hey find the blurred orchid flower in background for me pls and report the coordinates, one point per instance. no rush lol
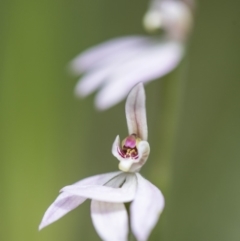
(115, 66)
(110, 191)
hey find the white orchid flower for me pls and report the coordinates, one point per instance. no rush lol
(115, 66)
(110, 191)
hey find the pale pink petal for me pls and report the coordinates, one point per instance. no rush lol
(125, 193)
(110, 220)
(66, 202)
(155, 63)
(92, 56)
(160, 58)
(91, 81)
(143, 153)
(105, 67)
(61, 206)
(145, 209)
(115, 148)
(135, 109)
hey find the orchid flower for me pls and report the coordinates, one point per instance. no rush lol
(109, 192)
(115, 66)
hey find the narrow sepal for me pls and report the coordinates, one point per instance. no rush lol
(66, 202)
(136, 112)
(146, 208)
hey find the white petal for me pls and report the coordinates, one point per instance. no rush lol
(105, 67)
(115, 148)
(91, 81)
(145, 209)
(110, 220)
(135, 109)
(125, 165)
(61, 206)
(155, 63)
(143, 153)
(66, 202)
(92, 56)
(158, 60)
(105, 193)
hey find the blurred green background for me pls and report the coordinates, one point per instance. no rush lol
(49, 139)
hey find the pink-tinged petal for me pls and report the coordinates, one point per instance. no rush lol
(130, 164)
(105, 67)
(155, 63)
(125, 193)
(66, 202)
(124, 164)
(143, 153)
(160, 59)
(91, 81)
(145, 209)
(110, 220)
(115, 148)
(61, 206)
(92, 56)
(136, 112)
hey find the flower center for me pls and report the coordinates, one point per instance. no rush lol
(129, 147)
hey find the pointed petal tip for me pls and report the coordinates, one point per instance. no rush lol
(41, 226)
(44, 223)
(117, 140)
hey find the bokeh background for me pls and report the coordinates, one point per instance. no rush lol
(49, 139)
